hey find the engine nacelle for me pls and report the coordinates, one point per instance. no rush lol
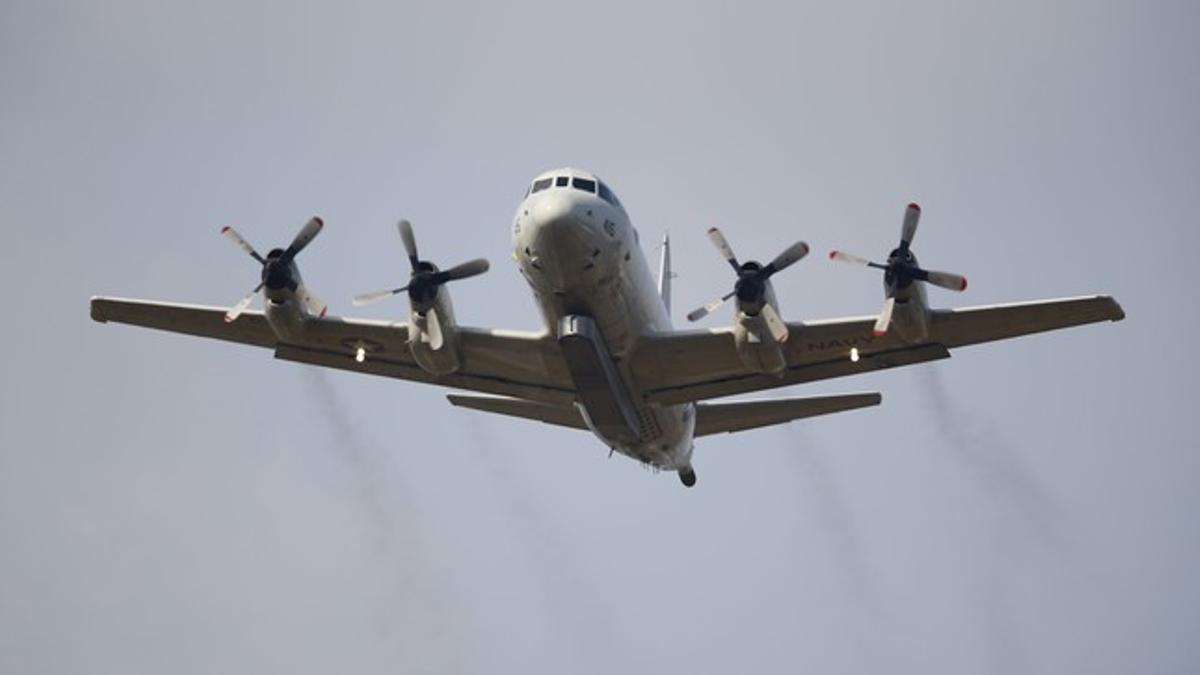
(285, 309)
(910, 318)
(433, 335)
(757, 349)
(286, 317)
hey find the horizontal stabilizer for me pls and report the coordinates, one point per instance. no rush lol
(714, 418)
(562, 416)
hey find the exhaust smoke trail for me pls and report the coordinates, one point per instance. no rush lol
(994, 461)
(562, 575)
(1018, 505)
(831, 510)
(413, 621)
(365, 466)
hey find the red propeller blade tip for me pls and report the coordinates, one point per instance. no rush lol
(914, 205)
(224, 229)
(877, 333)
(320, 223)
(832, 255)
(964, 285)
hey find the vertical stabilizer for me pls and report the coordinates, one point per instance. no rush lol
(664, 273)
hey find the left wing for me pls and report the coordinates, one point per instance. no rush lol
(698, 365)
(508, 363)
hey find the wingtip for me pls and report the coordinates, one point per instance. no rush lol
(1116, 311)
(96, 309)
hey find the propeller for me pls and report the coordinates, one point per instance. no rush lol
(277, 269)
(902, 269)
(426, 278)
(751, 285)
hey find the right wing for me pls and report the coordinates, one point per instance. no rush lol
(698, 365)
(508, 363)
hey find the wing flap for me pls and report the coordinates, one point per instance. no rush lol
(839, 366)
(715, 418)
(502, 385)
(563, 416)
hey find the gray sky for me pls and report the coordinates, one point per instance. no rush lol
(168, 503)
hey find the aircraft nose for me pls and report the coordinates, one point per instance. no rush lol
(561, 239)
(555, 212)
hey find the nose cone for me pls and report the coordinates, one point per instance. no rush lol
(555, 211)
(561, 239)
(561, 224)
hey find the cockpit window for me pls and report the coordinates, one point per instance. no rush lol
(584, 184)
(561, 181)
(608, 196)
(539, 185)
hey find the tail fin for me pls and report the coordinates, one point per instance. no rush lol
(664, 273)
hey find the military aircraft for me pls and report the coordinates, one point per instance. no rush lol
(608, 359)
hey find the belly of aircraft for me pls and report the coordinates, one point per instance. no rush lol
(662, 434)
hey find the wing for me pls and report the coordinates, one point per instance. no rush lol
(697, 365)
(508, 363)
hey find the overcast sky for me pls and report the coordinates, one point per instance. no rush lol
(169, 504)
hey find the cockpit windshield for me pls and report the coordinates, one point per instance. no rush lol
(608, 195)
(583, 184)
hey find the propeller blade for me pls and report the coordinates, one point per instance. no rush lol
(775, 324)
(723, 246)
(369, 298)
(312, 303)
(468, 269)
(232, 235)
(704, 311)
(843, 257)
(304, 237)
(912, 215)
(410, 243)
(790, 256)
(885, 317)
(953, 282)
(237, 309)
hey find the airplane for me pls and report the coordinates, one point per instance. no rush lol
(608, 359)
